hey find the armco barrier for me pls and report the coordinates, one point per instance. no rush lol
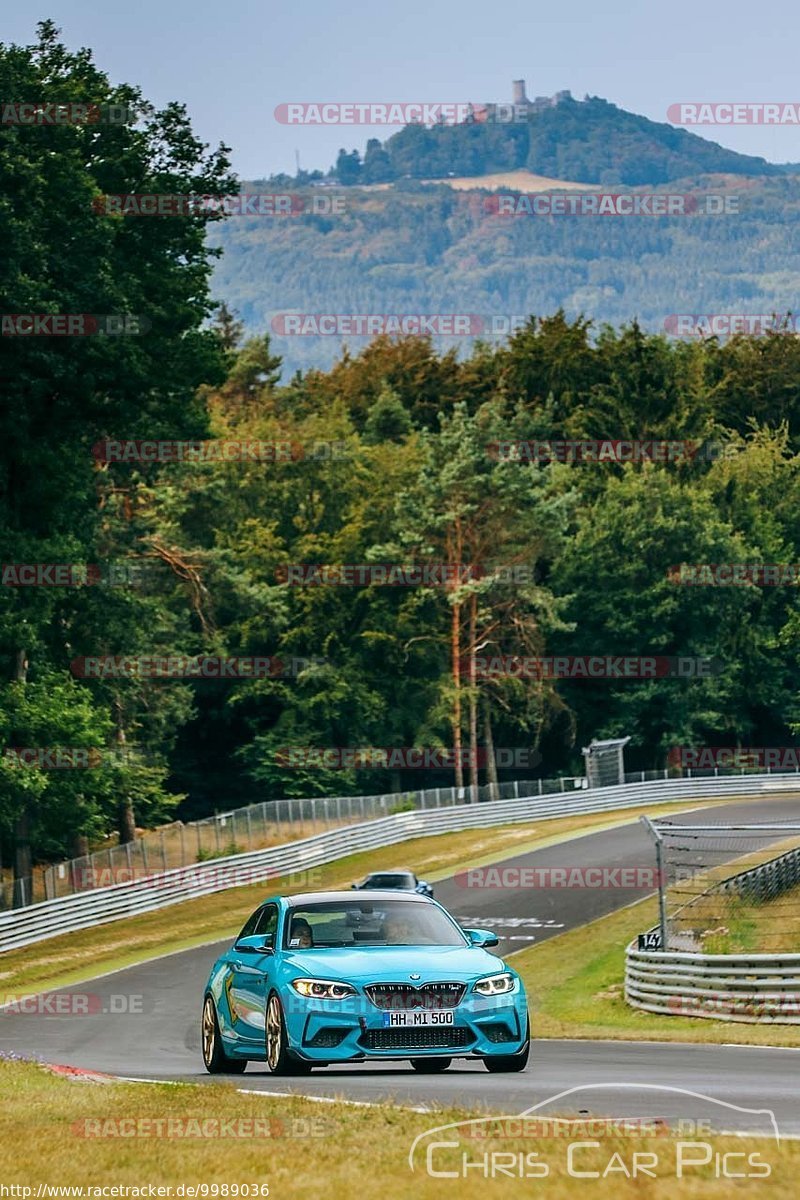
(766, 881)
(751, 988)
(21, 927)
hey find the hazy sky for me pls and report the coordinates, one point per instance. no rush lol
(233, 63)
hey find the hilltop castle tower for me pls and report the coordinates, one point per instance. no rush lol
(518, 92)
(518, 96)
(520, 104)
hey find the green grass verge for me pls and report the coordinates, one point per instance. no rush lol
(74, 957)
(575, 983)
(298, 1149)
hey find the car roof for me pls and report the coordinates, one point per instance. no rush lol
(339, 897)
(391, 871)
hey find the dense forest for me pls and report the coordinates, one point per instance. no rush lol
(390, 461)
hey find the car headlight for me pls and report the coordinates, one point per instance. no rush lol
(323, 989)
(495, 985)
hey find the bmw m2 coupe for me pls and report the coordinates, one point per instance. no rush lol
(333, 977)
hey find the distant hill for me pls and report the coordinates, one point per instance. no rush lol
(587, 141)
(416, 249)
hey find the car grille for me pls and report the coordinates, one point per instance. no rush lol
(446, 1038)
(401, 997)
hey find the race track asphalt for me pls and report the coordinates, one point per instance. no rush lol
(143, 1021)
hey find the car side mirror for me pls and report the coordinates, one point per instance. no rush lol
(254, 945)
(482, 937)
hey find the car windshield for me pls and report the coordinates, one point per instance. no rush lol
(362, 924)
(388, 881)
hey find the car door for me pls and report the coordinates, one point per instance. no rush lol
(245, 984)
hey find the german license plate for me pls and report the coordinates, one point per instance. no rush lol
(412, 1019)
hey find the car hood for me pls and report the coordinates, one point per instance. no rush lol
(395, 963)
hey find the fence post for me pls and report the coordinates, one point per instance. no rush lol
(163, 851)
(662, 891)
(249, 828)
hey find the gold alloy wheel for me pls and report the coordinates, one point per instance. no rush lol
(274, 1032)
(209, 1031)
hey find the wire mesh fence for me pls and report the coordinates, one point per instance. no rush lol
(256, 827)
(729, 889)
(273, 822)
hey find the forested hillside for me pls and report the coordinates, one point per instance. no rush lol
(415, 250)
(590, 141)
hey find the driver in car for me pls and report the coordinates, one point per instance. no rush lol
(397, 930)
(301, 935)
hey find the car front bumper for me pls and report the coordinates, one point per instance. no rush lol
(356, 1030)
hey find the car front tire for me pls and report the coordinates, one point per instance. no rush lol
(280, 1060)
(215, 1060)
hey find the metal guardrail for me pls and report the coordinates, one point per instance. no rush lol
(22, 927)
(767, 880)
(254, 827)
(273, 822)
(751, 988)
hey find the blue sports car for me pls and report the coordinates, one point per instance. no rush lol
(331, 977)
